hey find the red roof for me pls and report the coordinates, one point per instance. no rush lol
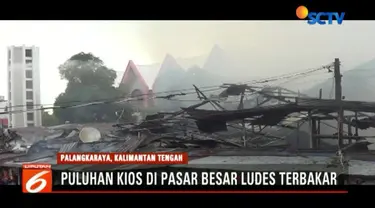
(131, 66)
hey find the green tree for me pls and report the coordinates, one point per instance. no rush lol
(89, 80)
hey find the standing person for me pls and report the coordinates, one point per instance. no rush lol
(4, 177)
(12, 177)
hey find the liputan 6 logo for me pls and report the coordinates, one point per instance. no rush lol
(36, 178)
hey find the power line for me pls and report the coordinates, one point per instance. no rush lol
(270, 79)
(119, 97)
(139, 97)
(111, 101)
(126, 99)
(290, 75)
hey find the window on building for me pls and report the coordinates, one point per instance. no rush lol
(28, 53)
(29, 74)
(9, 75)
(29, 95)
(29, 105)
(30, 116)
(29, 84)
(9, 54)
(28, 61)
(9, 62)
(9, 86)
(30, 125)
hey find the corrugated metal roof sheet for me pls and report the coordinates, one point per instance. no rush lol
(68, 147)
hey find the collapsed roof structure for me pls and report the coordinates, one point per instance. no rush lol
(264, 128)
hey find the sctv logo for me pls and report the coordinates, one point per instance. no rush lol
(315, 17)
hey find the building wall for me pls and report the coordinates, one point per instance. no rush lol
(24, 86)
(36, 87)
(3, 117)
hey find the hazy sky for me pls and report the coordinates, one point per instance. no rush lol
(266, 47)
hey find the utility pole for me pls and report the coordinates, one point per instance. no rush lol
(318, 127)
(338, 98)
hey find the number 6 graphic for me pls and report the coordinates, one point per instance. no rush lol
(36, 179)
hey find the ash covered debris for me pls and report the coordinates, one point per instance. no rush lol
(263, 122)
(10, 141)
(263, 125)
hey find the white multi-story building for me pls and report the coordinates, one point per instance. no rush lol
(24, 86)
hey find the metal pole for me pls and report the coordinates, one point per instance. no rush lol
(311, 142)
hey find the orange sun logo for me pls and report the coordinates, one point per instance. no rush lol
(302, 12)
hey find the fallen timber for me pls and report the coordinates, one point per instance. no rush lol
(301, 105)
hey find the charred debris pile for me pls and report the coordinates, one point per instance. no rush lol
(263, 128)
(242, 120)
(269, 119)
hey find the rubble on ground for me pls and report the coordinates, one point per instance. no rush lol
(207, 135)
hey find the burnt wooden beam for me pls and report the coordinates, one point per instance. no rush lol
(326, 136)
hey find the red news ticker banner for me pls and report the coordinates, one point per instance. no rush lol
(122, 158)
(37, 178)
